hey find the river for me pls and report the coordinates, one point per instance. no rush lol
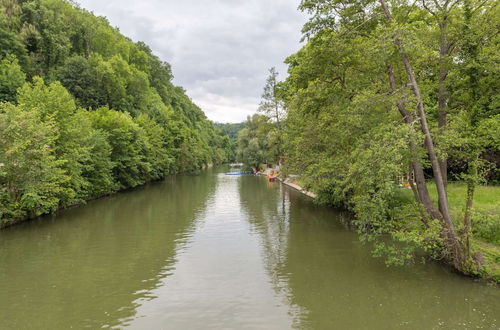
(220, 252)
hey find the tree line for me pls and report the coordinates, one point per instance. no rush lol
(385, 93)
(261, 138)
(85, 112)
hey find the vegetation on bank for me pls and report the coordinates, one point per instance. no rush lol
(231, 130)
(85, 112)
(390, 93)
(485, 238)
(261, 139)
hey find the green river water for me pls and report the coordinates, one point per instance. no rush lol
(220, 252)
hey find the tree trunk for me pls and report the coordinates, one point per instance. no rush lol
(443, 94)
(424, 213)
(471, 51)
(421, 185)
(471, 187)
(453, 243)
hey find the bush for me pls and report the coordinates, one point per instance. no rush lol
(486, 226)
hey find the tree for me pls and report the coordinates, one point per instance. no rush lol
(137, 125)
(273, 107)
(127, 141)
(362, 61)
(253, 142)
(11, 78)
(156, 151)
(80, 78)
(72, 145)
(230, 129)
(442, 12)
(31, 177)
(97, 169)
(10, 44)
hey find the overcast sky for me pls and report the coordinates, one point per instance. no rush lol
(220, 50)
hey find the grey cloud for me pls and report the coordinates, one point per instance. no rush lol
(220, 50)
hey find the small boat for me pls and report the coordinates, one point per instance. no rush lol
(239, 173)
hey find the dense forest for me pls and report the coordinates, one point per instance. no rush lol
(85, 112)
(232, 130)
(392, 110)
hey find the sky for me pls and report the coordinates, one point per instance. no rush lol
(220, 50)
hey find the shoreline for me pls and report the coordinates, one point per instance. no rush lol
(7, 223)
(288, 182)
(485, 277)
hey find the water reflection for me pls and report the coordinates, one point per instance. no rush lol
(331, 281)
(89, 265)
(220, 252)
(220, 281)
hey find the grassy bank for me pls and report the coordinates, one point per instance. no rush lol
(485, 220)
(486, 198)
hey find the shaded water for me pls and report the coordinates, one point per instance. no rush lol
(220, 252)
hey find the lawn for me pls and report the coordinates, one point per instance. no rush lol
(486, 198)
(485, 220)
(487, 204)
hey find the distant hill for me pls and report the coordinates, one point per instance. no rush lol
(87, 112)
(230, 129)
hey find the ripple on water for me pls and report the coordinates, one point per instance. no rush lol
(220, 252)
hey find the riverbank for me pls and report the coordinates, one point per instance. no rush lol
(147, 257)
(486, 219)
(5, 223)
(292, 183)
(9, 222)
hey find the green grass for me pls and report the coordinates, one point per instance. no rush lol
(485, 221)
(486, 198)
(486, 205)
(491, 258)
(487, 201)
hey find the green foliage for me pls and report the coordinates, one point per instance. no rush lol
(55, 104)
(261, 141)
(491, 255)
(486, 226)
(230, 129)
(128, 146)
(413, 238)
(255, 142)
(271, 105)
(31, 176)
(346, 138)
(97, 169)
(229, 133)
(11, 78)
(10, 44)
(155, 148)
(136, 126)
(79, 76)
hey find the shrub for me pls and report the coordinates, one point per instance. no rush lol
(486, 226)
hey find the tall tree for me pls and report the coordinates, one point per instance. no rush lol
(31, 176)
(361, 55)
(11, 78)
(273, 107)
